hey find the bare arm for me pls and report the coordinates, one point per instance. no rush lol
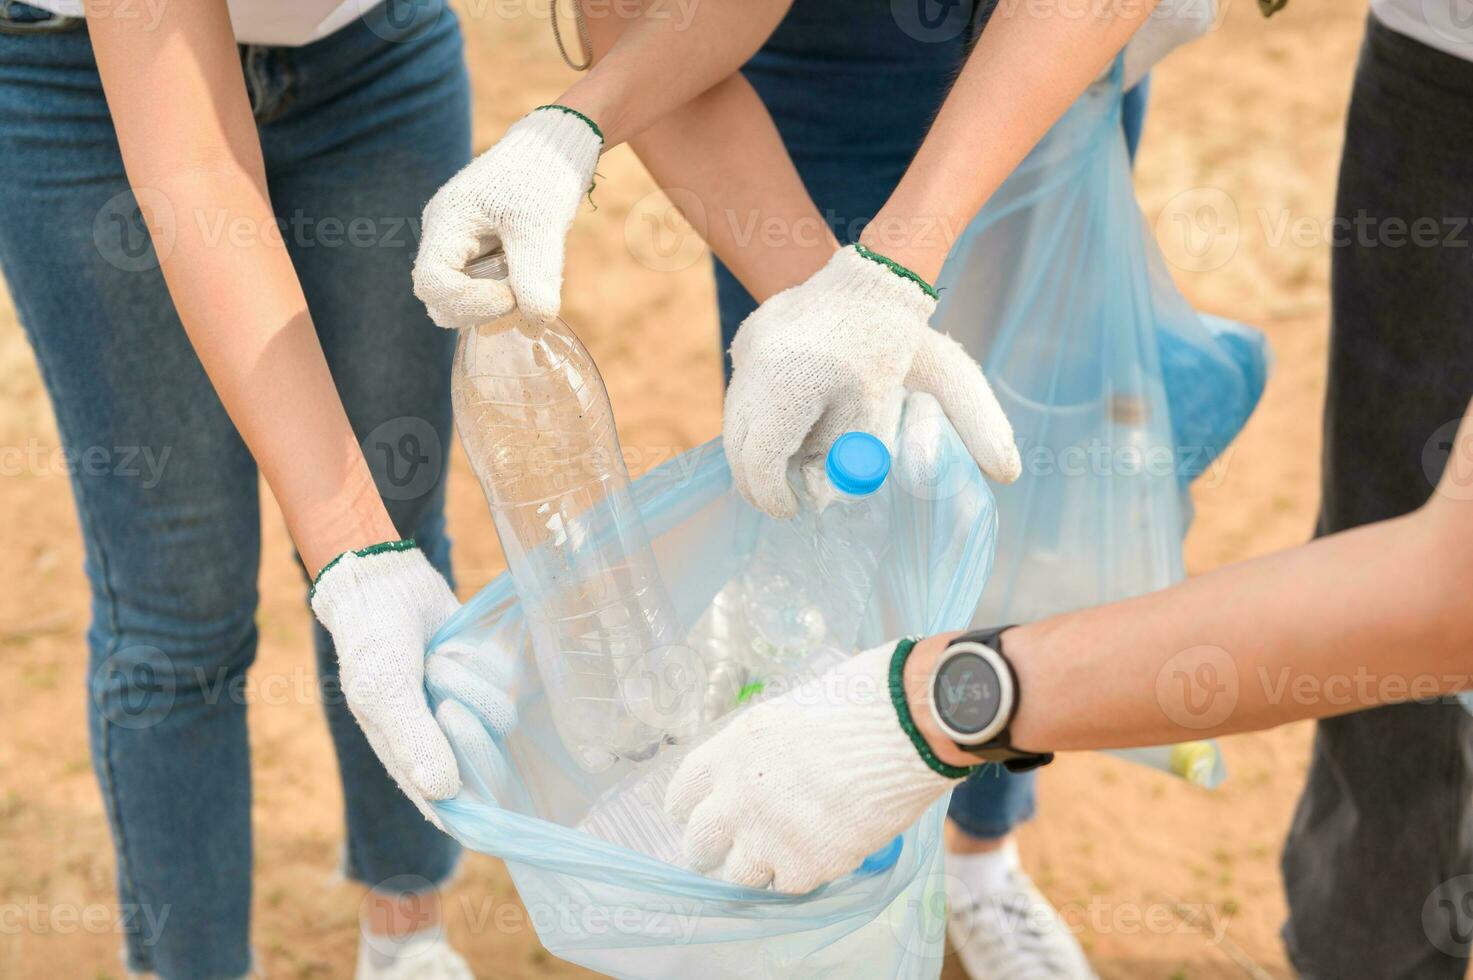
(721, 160)
(179, 105)
(721, 149)
(755, 213)
(1378, 614)
(1027, 68)
(655, 62)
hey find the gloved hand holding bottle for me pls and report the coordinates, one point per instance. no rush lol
(822, 356)
(829, 356)
(524, 192)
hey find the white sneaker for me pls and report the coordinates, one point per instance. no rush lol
(1011, 932)
(426, 956)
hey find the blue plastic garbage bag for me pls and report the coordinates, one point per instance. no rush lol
(628, 915)
(1118, 391)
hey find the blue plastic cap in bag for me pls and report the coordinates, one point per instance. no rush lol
(882, 860)
(858, 464)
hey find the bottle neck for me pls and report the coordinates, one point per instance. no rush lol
(855, 498)
(492, 265)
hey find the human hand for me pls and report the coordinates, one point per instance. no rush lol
(829, 356)
(522, 193)
(799, 790)
(477, 676)
(382, 605)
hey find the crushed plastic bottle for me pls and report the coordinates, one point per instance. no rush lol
(632, 812)
(536, 424)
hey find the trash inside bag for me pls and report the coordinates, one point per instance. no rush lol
(625, 913)
(1119, 393)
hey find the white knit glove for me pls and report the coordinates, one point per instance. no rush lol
(1172, 24)
(477, 676)
(382, 605)
(799, 790)
(830, 356)
(522, 193)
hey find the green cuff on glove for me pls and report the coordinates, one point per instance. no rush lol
(898, 269)
(577, 115)
(907, 722)
(404, 544)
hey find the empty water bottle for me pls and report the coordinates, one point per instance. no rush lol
(537, 426)
(853, 531)
(807, 584)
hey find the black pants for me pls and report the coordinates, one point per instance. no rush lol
(1378, 866)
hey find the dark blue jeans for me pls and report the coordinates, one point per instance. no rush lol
(358, 131)
(852, 88)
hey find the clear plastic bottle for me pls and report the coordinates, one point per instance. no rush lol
(536, 424)
(807, 584)
(853, 531)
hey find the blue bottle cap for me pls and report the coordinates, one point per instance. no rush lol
(882, 860)
(858, 464)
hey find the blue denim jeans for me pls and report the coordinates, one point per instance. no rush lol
(358, 131)
(853, 88)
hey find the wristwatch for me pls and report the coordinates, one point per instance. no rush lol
(974, 697)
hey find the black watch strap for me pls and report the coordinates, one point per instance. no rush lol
(1000, 748)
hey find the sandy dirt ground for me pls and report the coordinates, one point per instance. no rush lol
(1163, 880)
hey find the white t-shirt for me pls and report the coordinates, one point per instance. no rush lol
(289, 23)
(1446, 25)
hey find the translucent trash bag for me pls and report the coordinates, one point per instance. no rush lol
(1120, 394)
(1118, 391)
(627, 914)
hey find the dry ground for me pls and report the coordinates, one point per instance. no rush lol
(1246, 123)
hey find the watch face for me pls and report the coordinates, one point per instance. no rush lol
(967, 693)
